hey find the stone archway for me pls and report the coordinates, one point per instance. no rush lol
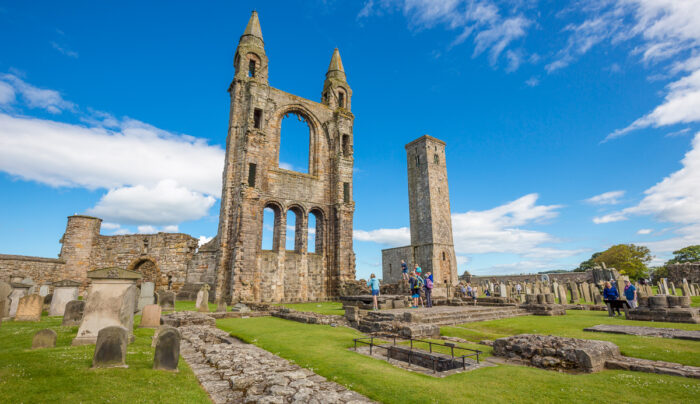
(148, 269)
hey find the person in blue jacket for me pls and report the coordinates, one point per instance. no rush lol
(610, 293)
(373, 284)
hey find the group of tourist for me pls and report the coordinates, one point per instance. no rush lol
(610, 294)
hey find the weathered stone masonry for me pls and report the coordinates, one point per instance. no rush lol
(253, 181)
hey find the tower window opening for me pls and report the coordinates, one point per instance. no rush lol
(346, 192)
(341, 100)
(417, 160)
(443, 256)
(251, 174)
(346, 145)
(257, 118)
(436, 158)
(251, 68)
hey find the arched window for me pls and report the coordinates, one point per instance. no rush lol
(291, 230)
(270, 228)
(295, 137)
(315, 240)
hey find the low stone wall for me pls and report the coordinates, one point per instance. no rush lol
(689, 271)
(307, 317)
(40, 270)
(674, 309)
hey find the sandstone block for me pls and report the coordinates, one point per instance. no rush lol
(110, 347)
(167, 352)
(29, 308)
(150, 318)
(45, 338)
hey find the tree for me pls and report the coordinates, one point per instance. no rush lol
(629, 259)
(687, 254)
(588, 264)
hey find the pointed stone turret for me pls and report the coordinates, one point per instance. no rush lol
(253, 27)
(336, 91)
(250, 60)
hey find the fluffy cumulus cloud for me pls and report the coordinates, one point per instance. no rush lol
(497, 230)
(676, 199)
(606, 198)
(492, 29)
(152, 177)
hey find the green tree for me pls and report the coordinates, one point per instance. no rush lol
(687, 254)
(588, 264)
(629, 259)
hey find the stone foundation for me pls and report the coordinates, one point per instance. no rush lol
(673, 309)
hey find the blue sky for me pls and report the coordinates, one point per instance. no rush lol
(570, 126)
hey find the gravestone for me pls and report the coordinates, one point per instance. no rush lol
(63, 292)
(166, 300)
(111, 302)
(221, 306)
(44, 290)
(562, 294)
(167, 350)
(203, 299)
(45, 338)
(586, 292)
(19, 290)
(29, 308)
(684, 288)
(73, 313)
(664, 286)
(574, 293)
(150, 318)
(593, 289)
(672, 288)
(555, 289)
(146, 297)
(5, 291)
(110, 347)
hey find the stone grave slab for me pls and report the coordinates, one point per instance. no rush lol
(64, 291)
(110, 347)
(146, 296)
(45, 338)
(203, 299)
(19, 290)
(111, 302)
(73, 314)
(5, 291)
(29, 308)
(150, 318)
(167, 353)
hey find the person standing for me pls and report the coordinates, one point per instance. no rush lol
(630, 294)
(428, 289)
(373, 284)
(418, 270)
(609, 294)
(415, 284)
(404, 270)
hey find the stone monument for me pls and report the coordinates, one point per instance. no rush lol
(73, 314)
(110, 347)
(111, 301)
(29, 308)
(150, 318)
(203, 299)
(146, 297)
(167, 353)
(19, 290)
(45, 338)
(63, 292)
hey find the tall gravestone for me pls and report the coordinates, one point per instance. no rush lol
(111, 302)
(203, 299)
(586, 292)
(166, 300)
(664, 286)
(5, 291)
(29, 308)
(672, 288)
(574, 293)
(146, 297)
(63, 292)
(684, 288)
(19, 290)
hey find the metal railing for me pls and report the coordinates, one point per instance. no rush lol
(435, 360)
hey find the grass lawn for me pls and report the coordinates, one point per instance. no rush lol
(695, 301)
(317, 307)
(325, 350)
(191, 305)
(63, 374)
(572, 325)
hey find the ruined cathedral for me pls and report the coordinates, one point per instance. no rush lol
(234, 263)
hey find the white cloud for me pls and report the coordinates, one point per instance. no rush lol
(391, 237)
(173, 228)
(36, 97)
(204, 239)
(110, 226)
(146, 229)
(610, 218)
(644, 231)
(93, 157)
(64, 50)
(7, 93)
(122, 232)
(532, 81)
(165, 204)
(606, 198)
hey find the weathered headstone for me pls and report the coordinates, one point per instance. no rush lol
(111, 302)
(574, 293)
(45, 338)
(19, 290)
(167, 353)
(150, 318)
(73, 313)
(664, 286)
(202, 303)
(29, 308)
(166, 300)
(5, 291)
(44, 290)
(146, 296)
(672, 288)
(63, 292)
(562, 294)
(684, 288)
(555, 289)
(110, 347)
(586, 292)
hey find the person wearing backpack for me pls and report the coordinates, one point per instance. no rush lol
(428, 289)
(415, 282)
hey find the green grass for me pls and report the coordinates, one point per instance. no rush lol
(317, 307)
(190, 305)
(572, 325)
(695, 301)
(324, 349)
(63, 374)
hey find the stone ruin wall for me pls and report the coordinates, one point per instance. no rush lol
(690, 271)
(14, 268)
(391, 263)
(531, 278)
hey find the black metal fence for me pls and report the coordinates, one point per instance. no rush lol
(435, 360)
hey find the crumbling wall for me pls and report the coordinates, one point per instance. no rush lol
(391, 263)
(40, 270)
(688, 270)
